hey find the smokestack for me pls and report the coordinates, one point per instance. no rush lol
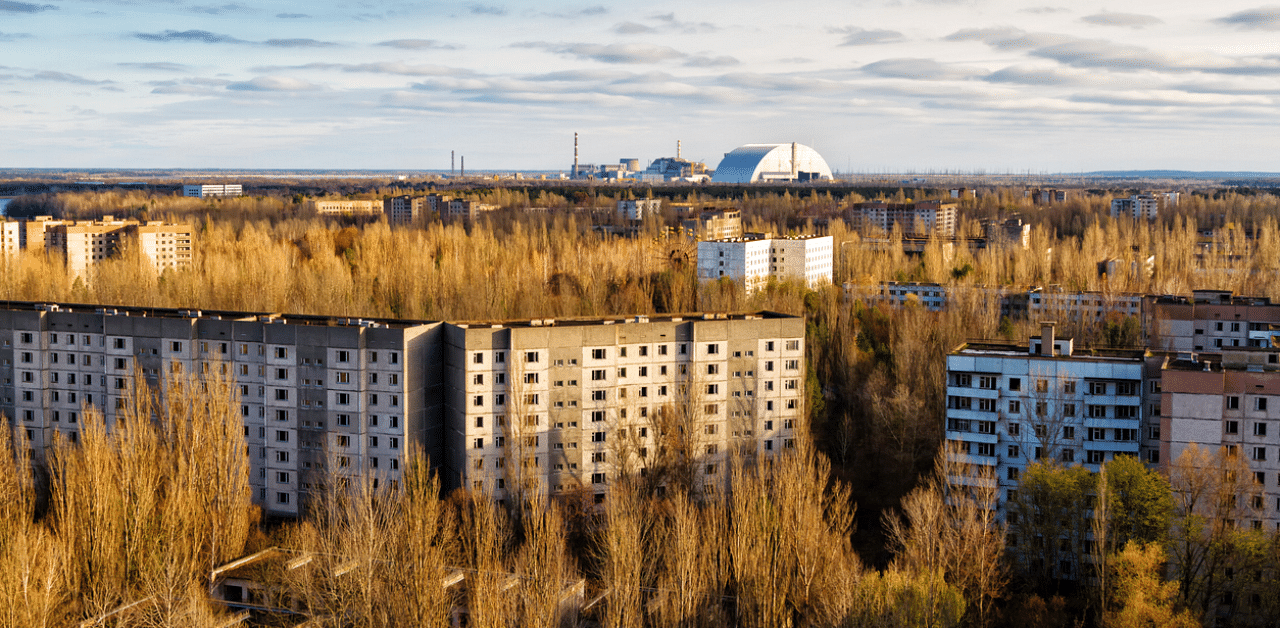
(794, 169)
(575, 157)
(452, 170)
(1046, 338)
(463, 171)
(677, 149)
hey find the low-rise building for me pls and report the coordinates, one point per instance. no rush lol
(213, 190)
(341, 207)
(468, 211)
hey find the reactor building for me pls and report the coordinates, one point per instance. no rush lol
(754, 163)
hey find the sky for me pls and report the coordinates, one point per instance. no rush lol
(978, 85)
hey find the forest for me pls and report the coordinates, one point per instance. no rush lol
(865, 524)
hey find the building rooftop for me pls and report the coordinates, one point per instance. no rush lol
(339, 321)
(1004, 348)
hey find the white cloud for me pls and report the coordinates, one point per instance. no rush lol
(273, 84)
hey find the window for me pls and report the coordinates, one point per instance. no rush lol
(599, 354)
(1097, 388)
(597, 478)
(598, 375)
(282, 456)
(1015, 383)
(963, 380)
(599, 395)
(713, 389)
(1231, 427)
(282, 353)
(1127, 388)
(1015, 406)
(987, 382)
(1096, 457)
(1097, 412)
(1259, 453)
(1068, 388)
(477, 401)
(1068, 455)
(1068, 409)
(282, 394)
(281, 415)
(599, 456)
(282, 498)
(986, 405)
(478, 443)
(1013, 451)
(282, 436)
(531, 356)
(1259, 429)
(373, 441)
(1068, 432)
(1233, 403)
(282, 373)
(1260, 404)
(597, 437)
(1042, 385)
(1012, 473)
(1126, 434)
(713, 349)
(530, 378)
(597, 415)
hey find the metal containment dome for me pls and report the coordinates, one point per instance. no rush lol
(772, 162)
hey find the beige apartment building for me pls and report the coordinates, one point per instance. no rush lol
(576, 401)
(557, 406)
(468, 211)
(10, 237)
(82, 244)
(340, 207)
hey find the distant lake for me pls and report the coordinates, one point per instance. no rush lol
(3, 203)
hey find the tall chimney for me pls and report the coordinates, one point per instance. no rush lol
(462, 172)
(794, 169)
(1047, 339)
(452, 163)
(677, 149)
(575, 157)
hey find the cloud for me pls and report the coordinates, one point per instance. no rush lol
(1169, 98)
(610, 53)
(1044, 10)
(581, 75)
(416, 44)
(1128, 20)
(8, 6)
(163, 66)
(62, 77)
(777, 82)
(918, 69)
(292, 16)
(587, 11)
(402, 69)
(632, 28)
(1261, 18)
(854, 36)
(1031, 76)
(273, 84)
(298, 43)
(599, 9)
(226, 8)
(191, 35)
(1096, 53)
(14, 36)
(486, 9)
(1007, 37)
(711, 62)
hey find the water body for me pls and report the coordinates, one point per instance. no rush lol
(4, 202)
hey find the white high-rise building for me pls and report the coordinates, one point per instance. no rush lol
(753, 260)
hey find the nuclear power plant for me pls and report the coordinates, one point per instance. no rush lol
(750, 163)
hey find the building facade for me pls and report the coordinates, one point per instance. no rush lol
(753, 260)
(636, 210)
(581, 398)
(917, 220)
(468, 211)
(81, 244)
(307, 387)
(1143, 206)
(1010, 405)
(714, 224)
(10, 237)
(339, 207)
(1213, 320)
(556, 406)
(213, 190)
(405, 210)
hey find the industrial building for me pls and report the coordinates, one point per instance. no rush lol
(571, 394)
(757, 257)
(761, 163)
